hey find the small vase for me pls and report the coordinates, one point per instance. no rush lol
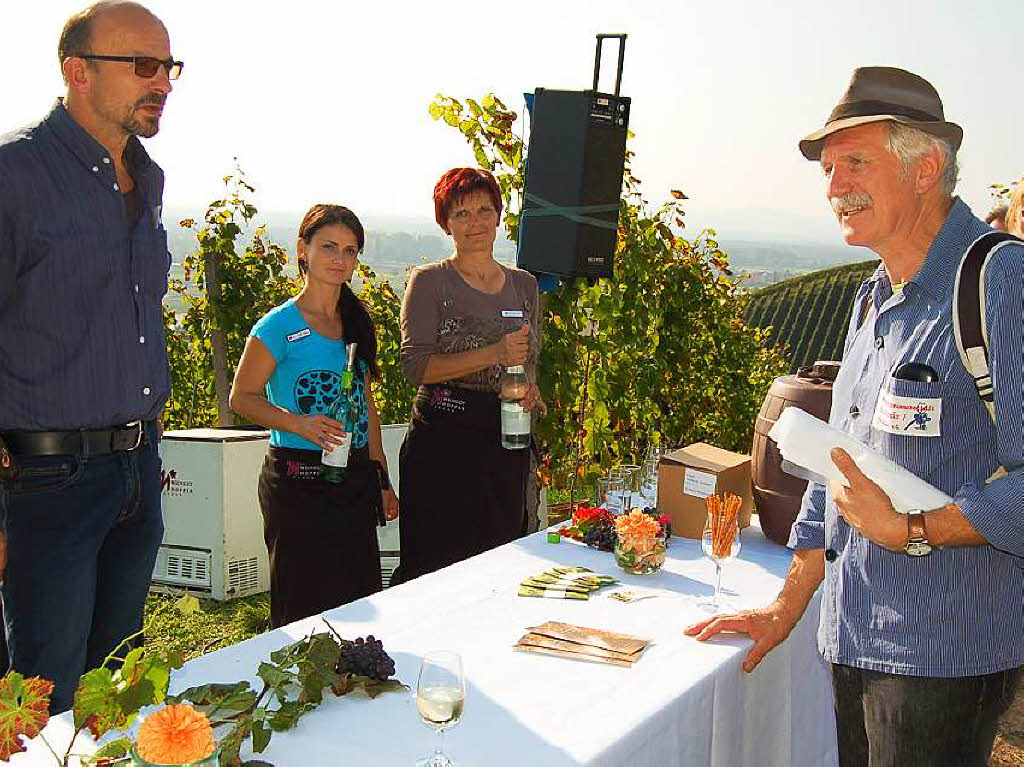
(210, 761)
(640, 556)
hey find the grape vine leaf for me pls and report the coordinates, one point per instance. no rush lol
(111, 753)
(231, 743)
(238, 696)
(24, 710)
(188, 605)
(110, 700)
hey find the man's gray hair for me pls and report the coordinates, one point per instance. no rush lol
(910, 144)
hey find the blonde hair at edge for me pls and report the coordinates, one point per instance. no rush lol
(1014, 220)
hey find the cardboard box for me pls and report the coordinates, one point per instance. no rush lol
(689, 475)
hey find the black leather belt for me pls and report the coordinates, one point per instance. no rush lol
(83, 443)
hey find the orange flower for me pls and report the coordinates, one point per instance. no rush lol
(637, 526)
(176, 734)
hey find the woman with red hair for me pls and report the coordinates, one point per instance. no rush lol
(464, 319)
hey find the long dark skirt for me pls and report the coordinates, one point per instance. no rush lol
(322, 538)
(461, 492)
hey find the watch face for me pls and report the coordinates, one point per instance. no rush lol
(918, 549)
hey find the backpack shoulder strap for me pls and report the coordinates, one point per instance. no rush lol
(969, 326)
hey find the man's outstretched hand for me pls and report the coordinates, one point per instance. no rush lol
(768, 627)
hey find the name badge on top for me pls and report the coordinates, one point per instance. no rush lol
(910, 416)
(512, 313)
(298, 335)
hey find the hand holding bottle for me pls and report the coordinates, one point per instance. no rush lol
(513, 347)
(319, 429)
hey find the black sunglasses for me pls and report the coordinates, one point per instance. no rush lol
(145, 66)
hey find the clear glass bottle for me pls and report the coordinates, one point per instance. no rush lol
(515, 421)
(334, 462)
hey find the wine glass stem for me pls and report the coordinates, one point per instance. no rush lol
(439, 752)
(718, 583)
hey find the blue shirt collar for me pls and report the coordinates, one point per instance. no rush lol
(88, 150)
(938, 272)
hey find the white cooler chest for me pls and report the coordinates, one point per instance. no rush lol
(213, 530)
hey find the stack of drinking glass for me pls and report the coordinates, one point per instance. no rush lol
(627, 486)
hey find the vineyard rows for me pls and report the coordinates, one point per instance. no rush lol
(808, 315)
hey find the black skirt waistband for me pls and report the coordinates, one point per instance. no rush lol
(453, 405)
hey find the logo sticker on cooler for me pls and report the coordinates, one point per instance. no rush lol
(298, 335)
(910, 416)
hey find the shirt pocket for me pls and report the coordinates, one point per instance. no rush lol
(151, 261)
(908, 445)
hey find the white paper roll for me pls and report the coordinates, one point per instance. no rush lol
(806, 441)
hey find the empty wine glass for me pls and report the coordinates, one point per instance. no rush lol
(721, 542)
(655, 451)
(440, 699)
(649, 485)
(630, 475)
(609, 493)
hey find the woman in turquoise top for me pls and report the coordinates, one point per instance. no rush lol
(321, 536)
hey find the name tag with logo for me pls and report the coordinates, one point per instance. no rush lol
(298, 335)
(910, 416)
(512, 313)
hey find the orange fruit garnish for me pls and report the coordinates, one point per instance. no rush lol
(176, 734)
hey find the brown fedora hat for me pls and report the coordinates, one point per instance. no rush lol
(876, 94)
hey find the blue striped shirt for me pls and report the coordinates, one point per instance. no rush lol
(960, 610)
(81, 322)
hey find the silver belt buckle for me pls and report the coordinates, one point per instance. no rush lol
(138, 434)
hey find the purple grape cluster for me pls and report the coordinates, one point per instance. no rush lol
(601, 535)
(365, 657)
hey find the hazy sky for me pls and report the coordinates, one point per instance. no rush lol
(327, 101)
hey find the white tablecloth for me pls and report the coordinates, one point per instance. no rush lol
(683, 703)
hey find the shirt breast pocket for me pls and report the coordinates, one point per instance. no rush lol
(910, 420)
(152, 261)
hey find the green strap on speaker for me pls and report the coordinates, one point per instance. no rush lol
(575, 213)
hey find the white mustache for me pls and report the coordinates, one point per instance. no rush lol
(850, 202)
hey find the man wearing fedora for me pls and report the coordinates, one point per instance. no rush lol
(922, 615)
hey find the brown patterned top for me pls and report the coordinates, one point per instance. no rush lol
(443, 314)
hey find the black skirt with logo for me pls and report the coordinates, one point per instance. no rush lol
(321, 537)
(461, 492)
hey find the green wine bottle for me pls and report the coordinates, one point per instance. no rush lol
(334, 462)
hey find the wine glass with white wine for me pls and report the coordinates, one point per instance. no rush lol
(440, 698)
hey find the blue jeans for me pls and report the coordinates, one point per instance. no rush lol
(82, 538)
(889, 720)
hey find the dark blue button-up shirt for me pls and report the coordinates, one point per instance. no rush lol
(81, 324)
(960, 610)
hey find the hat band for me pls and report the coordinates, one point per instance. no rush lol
(870, 108)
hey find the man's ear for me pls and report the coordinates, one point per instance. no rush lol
(76, 73)
(929, 170)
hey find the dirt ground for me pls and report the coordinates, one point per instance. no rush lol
(1009, 746)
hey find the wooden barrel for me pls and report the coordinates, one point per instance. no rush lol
(777, 494)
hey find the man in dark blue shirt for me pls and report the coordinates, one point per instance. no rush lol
(83, 361)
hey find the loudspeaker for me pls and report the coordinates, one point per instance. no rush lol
(573, 183)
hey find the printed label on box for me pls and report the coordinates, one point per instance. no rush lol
(699, 483)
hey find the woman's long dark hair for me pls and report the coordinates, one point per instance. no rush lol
(354, 318)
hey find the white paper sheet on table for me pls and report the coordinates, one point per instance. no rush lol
(805, 441)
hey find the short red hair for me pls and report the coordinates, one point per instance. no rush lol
(456, 184)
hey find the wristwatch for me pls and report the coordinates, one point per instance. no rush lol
(917, 536)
